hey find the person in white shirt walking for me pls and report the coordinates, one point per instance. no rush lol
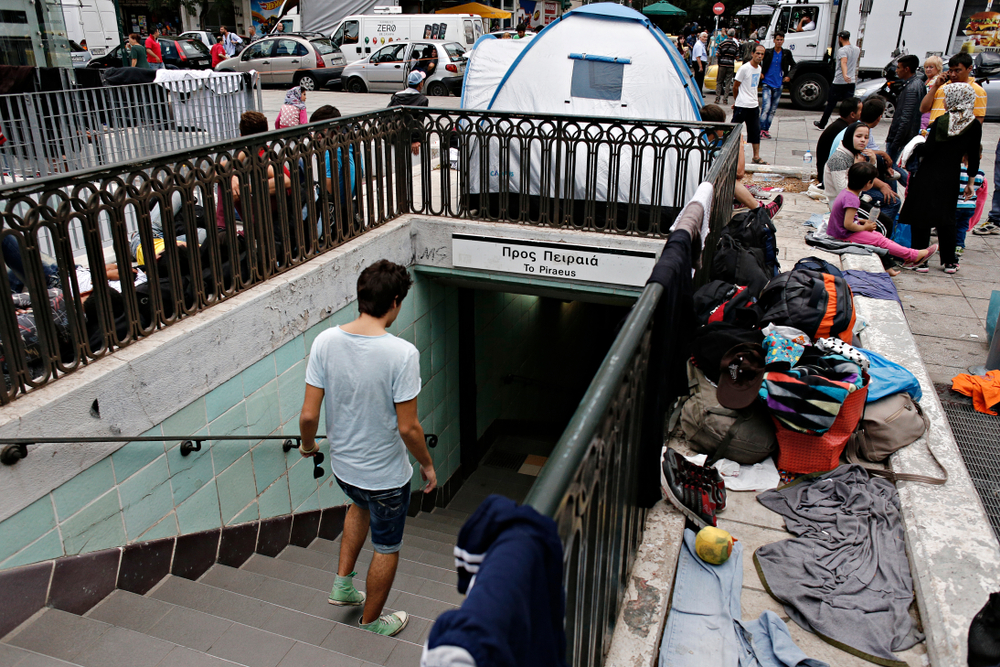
(231, 42)
(368, 381)
(699, 59)
(745, 104)
(844, 76)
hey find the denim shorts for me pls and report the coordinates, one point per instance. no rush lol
(388, 514)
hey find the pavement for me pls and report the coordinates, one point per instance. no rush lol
(346, 103)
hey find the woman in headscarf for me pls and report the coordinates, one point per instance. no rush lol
(851, 150)
(293, 111)
(931, 198)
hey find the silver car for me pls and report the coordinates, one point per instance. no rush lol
(385, 71)
(294, 59)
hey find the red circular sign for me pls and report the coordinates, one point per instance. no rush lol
(718, 8)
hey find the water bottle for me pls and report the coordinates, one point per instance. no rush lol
(807, 163)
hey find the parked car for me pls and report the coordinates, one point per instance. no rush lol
(292, 59)
(385, 71)
(203, 36)
(179, 53)
(79, 55)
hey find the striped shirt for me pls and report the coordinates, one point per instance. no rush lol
(976, 184)
(979, 111)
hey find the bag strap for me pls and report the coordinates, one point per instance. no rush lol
(726, 440)
(854, 446)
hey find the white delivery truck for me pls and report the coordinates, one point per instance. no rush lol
(882, 28)
(359, 36)
(94, 21)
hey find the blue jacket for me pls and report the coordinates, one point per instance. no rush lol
(510, 563)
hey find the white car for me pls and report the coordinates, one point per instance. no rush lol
(203, 36)
(386, 70)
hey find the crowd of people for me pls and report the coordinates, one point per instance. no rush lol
(926, 177)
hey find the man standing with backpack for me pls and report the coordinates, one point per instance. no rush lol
(726, 54)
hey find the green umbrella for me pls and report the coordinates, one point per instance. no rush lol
(663, 8)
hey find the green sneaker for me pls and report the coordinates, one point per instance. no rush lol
(344, 594)
(389, 625)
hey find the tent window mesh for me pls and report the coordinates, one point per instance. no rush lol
(597, 80)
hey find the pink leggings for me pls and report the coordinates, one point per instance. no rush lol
(876, 239)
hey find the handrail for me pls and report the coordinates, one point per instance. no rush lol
(15, 449)
(547, 493)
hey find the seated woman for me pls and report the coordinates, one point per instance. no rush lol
(426, 63)
(853, 150)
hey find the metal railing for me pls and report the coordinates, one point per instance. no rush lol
(263, 204)
(589, 484)
(68, 130)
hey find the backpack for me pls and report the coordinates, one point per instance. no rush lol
(738, 264)
(754, 229)
(984, 634)
(720, 301)
(820, 305)
(817, 264)
(746, 436)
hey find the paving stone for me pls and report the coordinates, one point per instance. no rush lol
(59, 634)
(946, 352)
(28, 659)
(752, 537)
(296, 625)
(304, 654)
(925, 282)
(128, 610)
(958, 328)
(939, 304)
(251, 647)
(977, 289)
(742, 507)
(754, 602)
(190, 628)
(185, 657)
(119, 647)
(362, 644)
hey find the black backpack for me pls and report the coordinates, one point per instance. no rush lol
(720, 301)
(738, 264)
(754, 229)
(984, 635)
(817, 303)
(817, 264)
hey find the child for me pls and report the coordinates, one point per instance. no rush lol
(846, 226)
(967, 204)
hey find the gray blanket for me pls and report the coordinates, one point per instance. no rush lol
(845, 575)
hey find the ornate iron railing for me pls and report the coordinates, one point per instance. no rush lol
(265, 203)
(590, 483)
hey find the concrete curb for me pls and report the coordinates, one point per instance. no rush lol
(954, 556)
(793, 172)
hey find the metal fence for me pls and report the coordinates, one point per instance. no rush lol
(68, 130)
(590, 483)
(260, 205)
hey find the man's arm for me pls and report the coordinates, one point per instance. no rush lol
(413, 437)
(309, 420)
(791, 65)
(843, 69)
(905, 111)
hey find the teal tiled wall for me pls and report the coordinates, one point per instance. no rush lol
(147, 490)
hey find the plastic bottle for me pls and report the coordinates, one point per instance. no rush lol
(807, 163)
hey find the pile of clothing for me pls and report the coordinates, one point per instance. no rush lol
(773, 374)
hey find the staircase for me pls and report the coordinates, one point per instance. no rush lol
(269, 612)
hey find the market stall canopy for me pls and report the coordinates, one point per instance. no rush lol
(756, 10)
(663, 8)
(477, 8)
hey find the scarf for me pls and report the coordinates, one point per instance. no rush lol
(959, 103)
(848, 140)
(294, 98)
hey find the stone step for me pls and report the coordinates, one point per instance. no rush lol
(429, 521)
(438, 512)
(439, 519)
(304, 598)
(326, 558)
(436, 553)
(323, 579)
(88, 642)
(12, 655)
(285, 639)
(335, 633)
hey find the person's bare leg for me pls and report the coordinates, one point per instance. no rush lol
(756, 151)
(743, 196)
(355, 531)
(381, 574)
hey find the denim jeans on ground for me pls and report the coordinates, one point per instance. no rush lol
(994, 215)
(962, 218)
(768, 105)
(15, 265)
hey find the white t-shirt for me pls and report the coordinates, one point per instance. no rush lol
(363, 378)
(699, 52)
(749, 78)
